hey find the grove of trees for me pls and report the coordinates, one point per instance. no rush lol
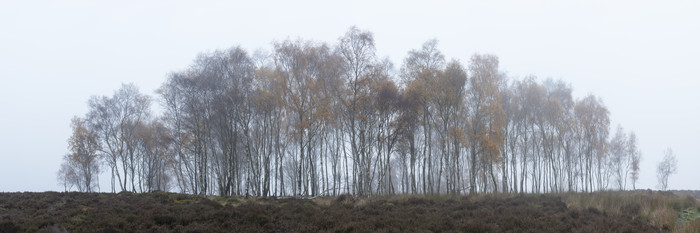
(312, 119)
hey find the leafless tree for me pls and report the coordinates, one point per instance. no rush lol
(667, 167)
(357, 51)
(419, 73)
(618, 157)
(115, 121)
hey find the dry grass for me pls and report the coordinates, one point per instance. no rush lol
(661, 209)
(323, 201)
(691, 227)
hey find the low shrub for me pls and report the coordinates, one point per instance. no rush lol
(167, 212)
(164, 219)
(8, 226)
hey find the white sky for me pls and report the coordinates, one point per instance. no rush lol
(641, 57)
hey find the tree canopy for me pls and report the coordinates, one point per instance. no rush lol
(313, 118)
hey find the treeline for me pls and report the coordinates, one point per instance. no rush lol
(312, 119)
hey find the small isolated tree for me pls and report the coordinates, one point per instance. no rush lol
(635, 157)
(81, 166)
(619, 156)
(665, 168)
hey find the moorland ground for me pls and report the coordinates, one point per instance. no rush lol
(635, 211)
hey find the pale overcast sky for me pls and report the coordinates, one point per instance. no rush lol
(641, 57)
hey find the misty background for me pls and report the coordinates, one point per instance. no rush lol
(640, 57)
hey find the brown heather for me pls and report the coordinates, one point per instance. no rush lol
(638, 211)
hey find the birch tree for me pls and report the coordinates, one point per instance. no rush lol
(667, 167)
(80, 167)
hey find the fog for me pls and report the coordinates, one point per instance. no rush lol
(640, 57)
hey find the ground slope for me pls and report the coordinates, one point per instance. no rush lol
(168, 212)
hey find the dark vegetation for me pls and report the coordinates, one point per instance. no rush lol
(169, 212)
